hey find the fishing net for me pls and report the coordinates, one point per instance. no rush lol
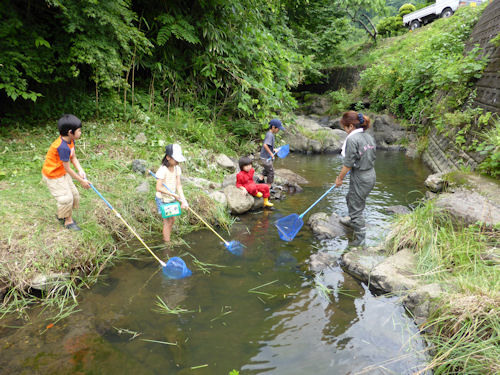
(176, 269)
(235, 247)
(283, 151)
(289, 226)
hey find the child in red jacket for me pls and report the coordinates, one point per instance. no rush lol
(245, 182)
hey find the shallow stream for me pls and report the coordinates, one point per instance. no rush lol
(269, 311)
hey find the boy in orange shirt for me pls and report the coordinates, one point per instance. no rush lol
(57, 172)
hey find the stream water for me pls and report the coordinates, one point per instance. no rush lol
(268, 311)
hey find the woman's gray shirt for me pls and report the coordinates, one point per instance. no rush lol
(360, 152)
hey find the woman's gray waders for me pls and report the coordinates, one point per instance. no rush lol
(360, 185)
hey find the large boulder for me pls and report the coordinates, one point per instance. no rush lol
(309, 136)
(286, 176)
(238, 202)
(469, 207)
(219, 197)
(324, 226)
(224, 161)
(229, 180)
(391, 274)
(387, 132)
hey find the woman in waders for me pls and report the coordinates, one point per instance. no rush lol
(358, 151)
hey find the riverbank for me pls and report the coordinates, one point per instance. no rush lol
(37, 252)
(442, 261)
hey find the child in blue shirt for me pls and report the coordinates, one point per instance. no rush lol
(267, 152)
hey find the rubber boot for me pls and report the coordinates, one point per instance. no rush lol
(267, 203)
(346, 220)
(259, 194)
(358, 238)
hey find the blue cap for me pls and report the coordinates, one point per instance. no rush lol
(276, 123)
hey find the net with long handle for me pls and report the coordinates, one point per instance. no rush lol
(289, 226)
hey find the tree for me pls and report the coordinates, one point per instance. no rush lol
(359, 12)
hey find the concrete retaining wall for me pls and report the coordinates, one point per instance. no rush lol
(442, 153)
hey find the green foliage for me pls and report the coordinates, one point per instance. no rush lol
(496, 40)
(319, 26)
(464, 327)
(491, 148)
(56, 41)
(406, 9)
(341, 101)
(425, 74)
(391, 26)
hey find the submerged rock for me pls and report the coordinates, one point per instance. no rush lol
(393, 274)
(324, 226)
(285, 258)
(321, 260)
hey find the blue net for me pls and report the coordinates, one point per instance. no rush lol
(283, 151)
(289, 226)
(176, 269)
(235, 247)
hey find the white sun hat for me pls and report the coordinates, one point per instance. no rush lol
(177, 153)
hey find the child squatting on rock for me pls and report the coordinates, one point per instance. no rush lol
(58, 174)
(170, 174)
(245, 182)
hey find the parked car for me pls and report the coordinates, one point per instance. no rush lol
(442, 8)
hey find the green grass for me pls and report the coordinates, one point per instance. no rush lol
(33, 242)
(465, 329)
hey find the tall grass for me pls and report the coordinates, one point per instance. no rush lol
(32, 241)
(465, 329)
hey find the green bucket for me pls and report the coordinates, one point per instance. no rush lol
(170, 209)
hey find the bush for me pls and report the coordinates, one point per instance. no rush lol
(491, 148)
(406, 9)
(423, 75)
(391, 26)
(341, 101)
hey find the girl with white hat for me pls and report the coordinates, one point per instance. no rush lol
(170, 174)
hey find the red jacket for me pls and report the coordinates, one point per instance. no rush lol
(245, 179)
